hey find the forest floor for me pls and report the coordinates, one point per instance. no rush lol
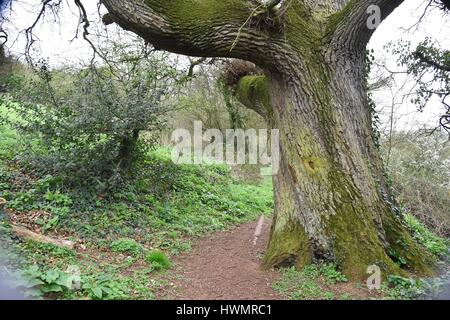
(225, 265)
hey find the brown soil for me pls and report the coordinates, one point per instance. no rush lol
(225, 265)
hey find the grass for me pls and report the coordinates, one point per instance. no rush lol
(158, 260)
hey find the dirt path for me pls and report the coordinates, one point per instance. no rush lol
(225, 265)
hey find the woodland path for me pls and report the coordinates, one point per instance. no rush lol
(223, 266)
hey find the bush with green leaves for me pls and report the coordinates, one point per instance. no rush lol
(93, 125)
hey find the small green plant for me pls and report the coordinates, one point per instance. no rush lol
(158, 260)
(103, 287)
(311, 271)
(329, 296)
(35, 282)
(24, 201)
(400, 288)
(125, 245)
(331, 275)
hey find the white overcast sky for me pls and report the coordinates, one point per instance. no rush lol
(56, 41)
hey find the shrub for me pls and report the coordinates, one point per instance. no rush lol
(86, 125)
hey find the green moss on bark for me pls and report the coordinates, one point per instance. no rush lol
(288, 247)
(356, 238)
(404, 249)
(353, 233)
(253, 92)
(189, 13)
(251, 89)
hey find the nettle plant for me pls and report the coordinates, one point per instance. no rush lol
(90, 122)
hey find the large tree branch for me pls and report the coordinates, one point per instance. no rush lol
(253, 92)
(204, 28)
(352, 27)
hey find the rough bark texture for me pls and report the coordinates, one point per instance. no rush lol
(332, 203)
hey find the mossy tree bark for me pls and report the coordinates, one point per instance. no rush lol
(332, 202)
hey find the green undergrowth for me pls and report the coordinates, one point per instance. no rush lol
(125, 237)
(326, 282)
(50, 272)
(434, 244)
(161, 205)
(312, 283)
(400, 288)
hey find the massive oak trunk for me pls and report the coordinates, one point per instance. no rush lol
(331, 199)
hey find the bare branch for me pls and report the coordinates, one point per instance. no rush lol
(29, 30)
(195, 63)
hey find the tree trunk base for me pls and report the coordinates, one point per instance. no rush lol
(355, 245)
